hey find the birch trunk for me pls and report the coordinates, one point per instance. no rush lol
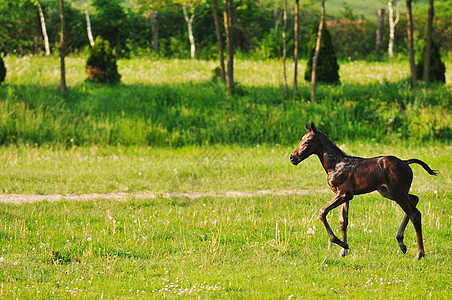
(410, 29)
(428, 46)
(191, 38)
(317, 52)
(392, 24)
(284, 46)
(88, 25)
(44, 30)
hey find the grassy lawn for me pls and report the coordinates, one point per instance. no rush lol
(261, 246)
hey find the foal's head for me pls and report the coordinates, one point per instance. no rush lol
(308, 145)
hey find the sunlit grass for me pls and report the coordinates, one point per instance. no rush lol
(53, 170)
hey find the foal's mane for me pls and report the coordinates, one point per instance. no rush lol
(330, 147)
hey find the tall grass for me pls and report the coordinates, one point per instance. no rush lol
(176, 103)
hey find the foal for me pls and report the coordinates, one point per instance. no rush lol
(349, 176)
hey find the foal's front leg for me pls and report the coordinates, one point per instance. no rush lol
(343, 221)
(341, 197)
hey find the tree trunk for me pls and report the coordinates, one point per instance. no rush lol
(88, 25)
(190, 30)
(155, 30)
(392, 25)
(44, 30)
(284, 47)
(380, 26)
(295, 46)
(410, 29)
(216, 17)
(317, 52)
(227, 14)
(276, 18)
(428, 46)
(62, 47)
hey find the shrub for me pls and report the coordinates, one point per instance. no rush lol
(2, 70)
(327, 66)
(101, 63)
(437, 68)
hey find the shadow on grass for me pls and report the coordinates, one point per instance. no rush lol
(201, 113)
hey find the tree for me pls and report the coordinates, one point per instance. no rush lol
(392, 24)
(111, 20)
(62, 47)
(379, 34)
(189, 21)
(44, 30)
(437, 69)
(295, 47)
(88, 25)
(228, 26)
(284, 46)
(153, 6)
(428, 45)
(216, 17)
(317, 52)
(410, 29)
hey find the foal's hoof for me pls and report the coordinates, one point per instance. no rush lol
(419, 255)
(343, 252)
(403, 248)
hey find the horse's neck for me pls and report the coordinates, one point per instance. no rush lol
(330, 155)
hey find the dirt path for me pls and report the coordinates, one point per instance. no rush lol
(21, 198)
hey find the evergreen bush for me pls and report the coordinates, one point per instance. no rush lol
(101, 64)
(327, 66)
(437, 68)
(2, 70)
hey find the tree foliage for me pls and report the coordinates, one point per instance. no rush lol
(127, 25)
(101, 64)
(327, 66)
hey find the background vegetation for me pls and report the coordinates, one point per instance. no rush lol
(129, 28)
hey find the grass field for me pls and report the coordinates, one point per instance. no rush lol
(260, 246)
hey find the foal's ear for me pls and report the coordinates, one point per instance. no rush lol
(307, 128)
(313, 127)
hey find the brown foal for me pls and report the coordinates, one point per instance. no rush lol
(349, 176)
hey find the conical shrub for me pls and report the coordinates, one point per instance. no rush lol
(2, 70)
(437, 68)
(327, 66)
(101, 64)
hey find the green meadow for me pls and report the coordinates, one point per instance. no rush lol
(211, 206)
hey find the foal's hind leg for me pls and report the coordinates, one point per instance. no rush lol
(415, 216)
(343, 221)
(414, 200)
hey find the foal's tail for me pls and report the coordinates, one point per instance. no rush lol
(423, 164)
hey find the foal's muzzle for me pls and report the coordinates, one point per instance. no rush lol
(294, 159)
